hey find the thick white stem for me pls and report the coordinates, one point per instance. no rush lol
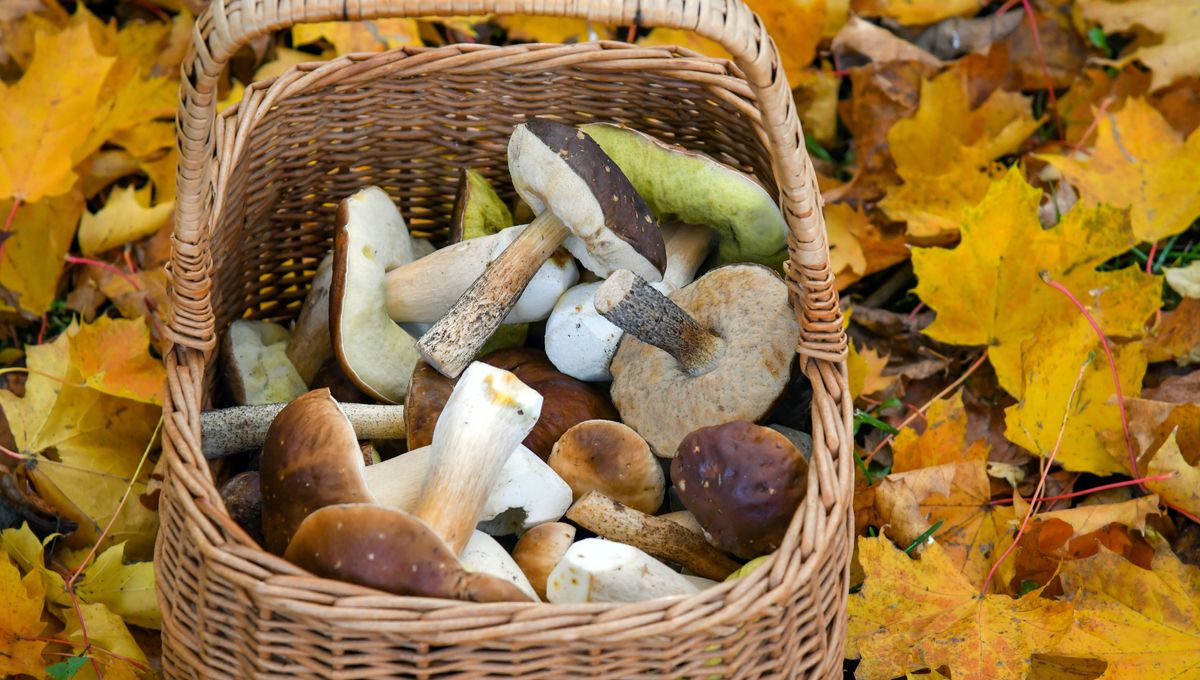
(596, 570)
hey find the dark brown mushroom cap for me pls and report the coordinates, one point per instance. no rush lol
(567, 401)
(390, 550)
(311, 459)
(743, 482)
(747, 306)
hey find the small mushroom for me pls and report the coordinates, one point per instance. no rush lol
(583, 200)
(478, 209)
(581, 343)
(257, 369)
(309, 346)
(717, 350)
(244, 501)
(371, 239)
(743, 482)
(539, 550)
(609, 457)
(568, 401)
(659, 537)
(596, 570)
(687, 186)
(483, 554)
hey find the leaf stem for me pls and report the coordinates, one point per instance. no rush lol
(1041, 55)
(12, 214)
(106, 267)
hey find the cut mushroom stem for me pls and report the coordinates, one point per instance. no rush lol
(596, 570)
(540, 549)
(244, 428)
(637, 308)
(659, 537)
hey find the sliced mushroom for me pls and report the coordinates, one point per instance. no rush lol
(310, 347)
(596, 570)
(609, 457)
(581, 199)
(483, 554)
(257, 369)
(718, 350)
(687, 186)
(478, 209)
(540, 549)
(743, 482)
(581, 342)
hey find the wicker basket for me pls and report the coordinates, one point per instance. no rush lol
(258, 186)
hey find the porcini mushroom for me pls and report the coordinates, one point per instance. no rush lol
(717, 350)
(257, 369)
(371, 239)
(539, 550)
(743, 482)
(596, 570)
(243, 500)
(581, 343)
(309, 346)
(483, 554)
(582, 199)
(688, 186)
(609, 457)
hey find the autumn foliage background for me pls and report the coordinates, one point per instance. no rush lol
(1011, 196)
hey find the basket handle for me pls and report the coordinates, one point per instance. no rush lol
(229, 24)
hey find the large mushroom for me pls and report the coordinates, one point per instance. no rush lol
(597, 570)
(583, 200)
(609, 457)
(416, 553)
(717, 350)
(309, 346)
(581, 342)
(257, 369)
(743, 482)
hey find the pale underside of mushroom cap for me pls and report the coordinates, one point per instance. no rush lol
(747, 306)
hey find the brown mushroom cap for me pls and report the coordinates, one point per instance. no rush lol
(743, 482)
(609, 457)
(311, 459)
(540, 549)
(746, 306)
(392, 551)
(567, 401)
(242, 494)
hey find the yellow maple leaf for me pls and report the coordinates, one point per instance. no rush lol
(112, 356)
(797, 27)
(944, 439)
(914, 614)
(20, 618)
(47, 114)
(349, 37)
(1144, 622)
(945, 153)
(1051, 363)
(910, 12)
(1175, 54)
(988, 290)
(543, 29)
(858, 248)
(126, 216)
(1183, 489)
(40, 236)
(126, 589)
(1140, 162)
(96, 441)
(28, 552)
(108, 631)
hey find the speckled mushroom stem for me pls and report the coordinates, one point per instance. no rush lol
(659, 537)
(630, 303)
(244, 428)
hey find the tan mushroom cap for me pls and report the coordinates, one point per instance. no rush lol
(746, 305)
(609, 457)
(390, 550)
(540, 549)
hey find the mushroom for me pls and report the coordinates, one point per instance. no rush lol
(483, 554)
(244, 501)
(581, 343)
(488, 413)
(719, 349)
(596, 570)
(609, 457)
(659, 537)
(371, 239)
(312, 459)
(340, 385)
(539, 550)
(310, 346)
(686, 186)
(442, 277)
(244, 428)
(684, 519)
(582, 200)
(743, 482)
(478, 209)
(257, 369)
(568, 401)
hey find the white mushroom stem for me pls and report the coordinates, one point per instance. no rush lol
(310, 346)
(687, 246)
(244, 428)
(596, 570)
(628, 301)
(659, 537)
(487, 415)
(442, 277)
(483, 554)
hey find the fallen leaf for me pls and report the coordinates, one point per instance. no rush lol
(858, 248)
(1139, 162)
(943, 439)
(878, 44)
(1176, 389)
(1078, 108)
(285, 59)
(1051, 363)
(349, 37)
(1182, 490)
(1176, 52)
(1185, 280)
(40, 237)
(909, 12)
(816, 95)
(112, 356)
(107, 631)
(126, 589)
(666, 37)
(550, 29)
(20, 617)
(1177, 335)
(914, 614)
(1144, 622)
(988, 290)
(126, 216)
(28, 552)
(147, 139)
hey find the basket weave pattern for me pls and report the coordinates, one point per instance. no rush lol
(258, 187)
